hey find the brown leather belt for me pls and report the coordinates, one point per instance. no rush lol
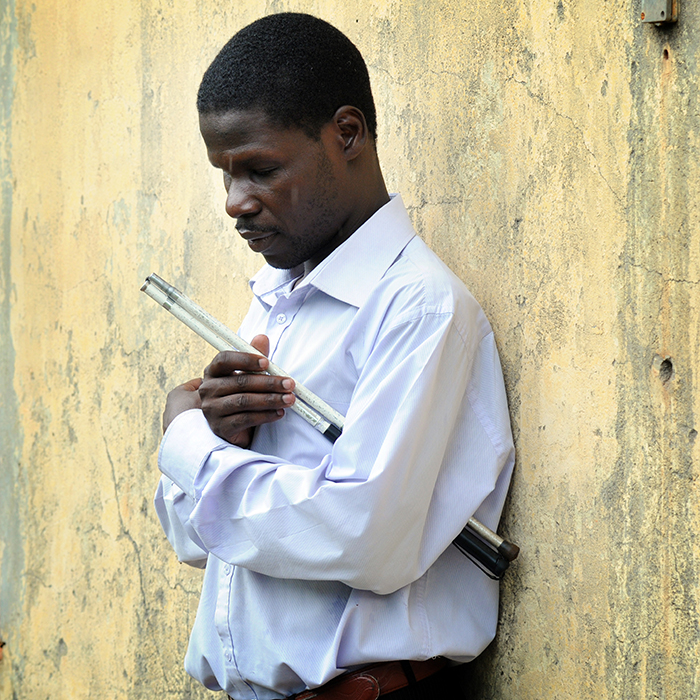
(372, 681)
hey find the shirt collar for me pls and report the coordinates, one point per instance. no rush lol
(355, 267)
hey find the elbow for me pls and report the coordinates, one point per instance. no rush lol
(382, 582)
(194, 563)
(381, 572)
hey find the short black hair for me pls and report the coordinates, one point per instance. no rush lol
(296, 68)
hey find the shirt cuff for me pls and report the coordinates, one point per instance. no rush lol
(185, 447)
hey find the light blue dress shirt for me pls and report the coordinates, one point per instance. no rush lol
(324, 557)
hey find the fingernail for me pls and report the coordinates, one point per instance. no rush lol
(288, 384)
(263, 362)
(288, 398)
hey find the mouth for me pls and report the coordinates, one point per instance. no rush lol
(258, 240)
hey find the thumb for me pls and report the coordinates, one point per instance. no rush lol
(262, 344)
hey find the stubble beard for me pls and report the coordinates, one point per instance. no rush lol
(321, 215)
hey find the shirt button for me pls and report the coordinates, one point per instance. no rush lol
(227, 569)
(228, 656)
(281, 318)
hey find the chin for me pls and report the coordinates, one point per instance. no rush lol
(282, 264)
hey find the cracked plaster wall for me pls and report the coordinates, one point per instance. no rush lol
(548, 151)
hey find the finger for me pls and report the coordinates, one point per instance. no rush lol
(262, 344)
(230, 361)
(193, 384)
(242, 439)
(229, 428)
(244, 382)
(234, 404)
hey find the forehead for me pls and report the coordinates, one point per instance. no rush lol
(243, 130)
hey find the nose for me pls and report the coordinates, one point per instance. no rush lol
(240, 201)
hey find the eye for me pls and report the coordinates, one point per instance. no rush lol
(263, 173)
(227, 181)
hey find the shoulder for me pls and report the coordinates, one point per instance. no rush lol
(418, 286)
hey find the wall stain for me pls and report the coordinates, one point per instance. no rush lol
(12, 483)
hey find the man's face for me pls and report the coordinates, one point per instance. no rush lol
(284, 188)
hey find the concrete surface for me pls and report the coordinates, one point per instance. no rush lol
(548, 151)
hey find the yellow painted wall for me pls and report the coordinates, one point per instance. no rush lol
(547, 150)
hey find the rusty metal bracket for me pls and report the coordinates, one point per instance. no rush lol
(659, 11)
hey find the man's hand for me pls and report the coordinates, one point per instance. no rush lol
(181, 399)
(236, 397)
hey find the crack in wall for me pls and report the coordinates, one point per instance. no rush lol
(550, 106)
(146, 609)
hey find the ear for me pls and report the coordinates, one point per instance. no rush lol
(350, 131)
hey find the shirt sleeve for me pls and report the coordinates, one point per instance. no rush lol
(386, 501)
(173, 507)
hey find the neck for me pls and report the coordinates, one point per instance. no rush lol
(371, 196)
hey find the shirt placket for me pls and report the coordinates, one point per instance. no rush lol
(221, 619)
(281, 316)
(222, 610)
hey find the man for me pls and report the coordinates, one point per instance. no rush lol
(322, 559)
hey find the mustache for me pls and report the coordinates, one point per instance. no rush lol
(253, 228)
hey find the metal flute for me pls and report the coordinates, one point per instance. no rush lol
(492, 553)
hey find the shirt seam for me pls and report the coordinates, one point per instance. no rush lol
(399, 322)
(230, 634)
(423, 584)
(489, 426)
